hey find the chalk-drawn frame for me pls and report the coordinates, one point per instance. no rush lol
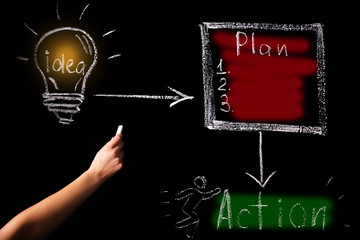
(210, 119)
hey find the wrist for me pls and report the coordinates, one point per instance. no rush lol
(93, 178)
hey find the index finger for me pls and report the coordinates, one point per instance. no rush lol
(116, 140)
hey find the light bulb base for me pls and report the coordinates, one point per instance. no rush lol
(63, 105)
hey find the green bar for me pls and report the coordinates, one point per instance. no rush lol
(263, 211)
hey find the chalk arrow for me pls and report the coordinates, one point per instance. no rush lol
(179, 97)
(261, 181)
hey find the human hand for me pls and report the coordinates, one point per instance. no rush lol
(108, 160)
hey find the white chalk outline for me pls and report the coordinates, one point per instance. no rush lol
(261, 182)
(92, 45)
(114, 56)
(191, 216)
(57, 11)
(109, 32)
(165, 203)
(82, 13)
(210, 119)
(31, 30)
(178, 98)
(21, 58)
(67, 103)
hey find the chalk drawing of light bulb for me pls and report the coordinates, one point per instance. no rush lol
(65, 58)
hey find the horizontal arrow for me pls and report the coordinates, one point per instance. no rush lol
(261, 182)
(177, 98)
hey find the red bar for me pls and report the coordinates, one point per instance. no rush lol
(253, 103)
(277, 82)
(261, 97)
(238, 70)
(268, 64)
(267, 113)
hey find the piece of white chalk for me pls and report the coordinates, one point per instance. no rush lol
(119, 129)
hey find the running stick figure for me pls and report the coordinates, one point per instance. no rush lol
(193, 198)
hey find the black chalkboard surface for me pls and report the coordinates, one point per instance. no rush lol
(239, 118)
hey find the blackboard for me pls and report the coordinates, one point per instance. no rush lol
(151, 75)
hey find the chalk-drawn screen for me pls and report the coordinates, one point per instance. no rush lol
(264, 77)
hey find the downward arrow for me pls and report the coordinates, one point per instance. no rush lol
(261, 182)
(177, 98)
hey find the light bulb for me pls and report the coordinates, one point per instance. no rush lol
(65, 58)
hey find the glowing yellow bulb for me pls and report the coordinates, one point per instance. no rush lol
(65, 58)
(68, 64)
